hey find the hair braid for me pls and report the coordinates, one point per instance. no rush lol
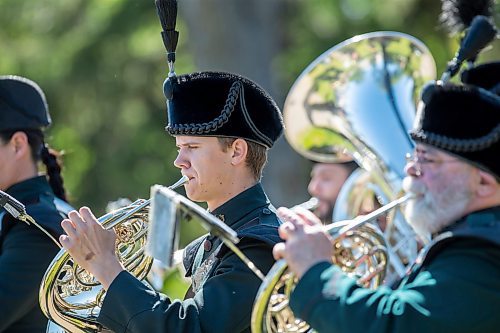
(49, 158)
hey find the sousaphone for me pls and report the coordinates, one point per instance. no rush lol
(356, 102)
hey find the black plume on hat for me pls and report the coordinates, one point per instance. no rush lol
(462, 120)
(221, 104)
(473, 16)
(22, 104)
(457, 15)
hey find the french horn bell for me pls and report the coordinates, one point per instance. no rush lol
(70, 296)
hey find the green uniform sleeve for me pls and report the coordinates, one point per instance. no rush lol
(223, 304)
(25, 255)
(459, 291)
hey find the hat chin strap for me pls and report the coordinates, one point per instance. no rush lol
(266, 140)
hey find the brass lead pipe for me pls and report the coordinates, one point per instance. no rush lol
(360, 220)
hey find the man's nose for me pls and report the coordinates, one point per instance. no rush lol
(413, 169)
(180, 161)
(312, 188)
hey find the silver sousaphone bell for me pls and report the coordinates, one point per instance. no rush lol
(357, 101)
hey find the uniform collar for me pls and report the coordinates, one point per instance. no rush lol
(239, 206)
(482, 218)
(483, 224)
(29, 188)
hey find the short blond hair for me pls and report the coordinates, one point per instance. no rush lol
(256, 157)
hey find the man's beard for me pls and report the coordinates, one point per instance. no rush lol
(431, 212)
(324, 211)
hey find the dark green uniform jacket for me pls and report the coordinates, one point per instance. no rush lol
(25, 254)
(453, 287)
(223, 290)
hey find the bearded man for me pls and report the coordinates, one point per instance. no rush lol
(454, 285)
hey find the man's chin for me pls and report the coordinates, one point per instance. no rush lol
(193, 196)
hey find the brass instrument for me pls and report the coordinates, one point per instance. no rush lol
(356, 101)
(71, 297)
(359, 249)
(310, 204)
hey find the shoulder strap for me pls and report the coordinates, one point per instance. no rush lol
(63, 207)
(2, 215)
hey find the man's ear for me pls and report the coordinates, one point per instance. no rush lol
(20, 144)
(240, 151)
(488, 184)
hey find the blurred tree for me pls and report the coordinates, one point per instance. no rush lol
(247, 37)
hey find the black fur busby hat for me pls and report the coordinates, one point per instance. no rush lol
(22, 104)
(223, 105)
(462, 120)
(485, 75)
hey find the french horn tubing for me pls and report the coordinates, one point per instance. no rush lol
(359, 249)
(70, 297)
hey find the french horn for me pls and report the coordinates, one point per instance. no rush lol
(356, 101)
(359, 248)
(71, 297)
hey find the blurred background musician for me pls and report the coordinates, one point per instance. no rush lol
(325, 184)
(25, 251)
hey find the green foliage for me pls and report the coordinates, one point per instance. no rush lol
(102, 64)
(317, 25)
(175, 285)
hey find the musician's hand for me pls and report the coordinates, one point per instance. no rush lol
(91, 246)
(306, 242)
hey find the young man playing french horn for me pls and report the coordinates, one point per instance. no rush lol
(223, 125)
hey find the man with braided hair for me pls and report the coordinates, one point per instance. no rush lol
(25, 251)
(223, 125)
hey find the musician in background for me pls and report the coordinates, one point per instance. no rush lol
(454, 286)
(223, 125)
(325, 184)
(25, 251)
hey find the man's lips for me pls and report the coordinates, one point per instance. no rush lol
(191, 178)
(414, 187)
